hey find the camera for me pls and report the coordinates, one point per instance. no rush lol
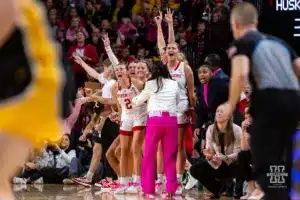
(91, 136)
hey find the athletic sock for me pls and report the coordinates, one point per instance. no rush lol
(137, 179)
(123, 181)
(89, 175)
(160, 178)
(179, 178)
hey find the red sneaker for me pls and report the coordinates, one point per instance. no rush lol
(103, 183)
(114, 185)
(83, 181)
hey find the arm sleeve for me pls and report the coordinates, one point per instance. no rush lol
(113, 59)
(209, 138)
(237, 143)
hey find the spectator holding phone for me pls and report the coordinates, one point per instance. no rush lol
(222, 147)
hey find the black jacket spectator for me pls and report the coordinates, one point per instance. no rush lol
(216, 95)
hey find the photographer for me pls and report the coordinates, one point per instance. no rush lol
(244, 160)
(54, 166)
(79, 166)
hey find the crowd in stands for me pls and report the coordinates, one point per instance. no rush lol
(202, 30)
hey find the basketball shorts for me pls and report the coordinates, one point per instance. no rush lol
(133, 122)
(182, 116)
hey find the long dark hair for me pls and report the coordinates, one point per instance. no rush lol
(229, 135)
(159, 71)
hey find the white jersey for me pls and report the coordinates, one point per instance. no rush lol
(125, 97)
(178, 75)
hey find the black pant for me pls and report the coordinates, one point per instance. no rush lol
(109, 133)
(50, 175)
(245, 171)
(212, 179)
(276, 115)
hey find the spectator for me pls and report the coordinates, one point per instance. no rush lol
(244, 160)
(222, 147)
(63, 9)
(89, 12)
(74, 29)
(245, 99)
(126, 57)
(215, 62)
(127, 27)
(101, 13)
(56, 167)
(210, 94)
(87, 52)
(200, 43)
(55, 23)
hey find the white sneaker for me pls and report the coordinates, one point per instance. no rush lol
(19, 187)
(246, 196)
(191, 182)
(121, 189)
(18, 180)
(257, 197)
(39, 181)
(179, 190)
(134, 189)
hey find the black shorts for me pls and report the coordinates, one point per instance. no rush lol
(109, 133)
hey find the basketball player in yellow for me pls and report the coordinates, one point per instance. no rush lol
(31, 83)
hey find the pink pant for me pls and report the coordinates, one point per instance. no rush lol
(165, 129)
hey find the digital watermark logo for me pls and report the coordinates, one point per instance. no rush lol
(288, 5)
(277, 176)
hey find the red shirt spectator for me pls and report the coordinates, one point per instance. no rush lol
(87, 52)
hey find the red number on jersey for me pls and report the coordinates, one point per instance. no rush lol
(128, 104)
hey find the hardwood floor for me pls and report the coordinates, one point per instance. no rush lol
(75, 192)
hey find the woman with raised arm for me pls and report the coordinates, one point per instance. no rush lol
(133, 121)
(105, 138)
(183, 74)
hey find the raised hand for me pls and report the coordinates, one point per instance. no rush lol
(106, 40)
(169, 16)
(158, 19)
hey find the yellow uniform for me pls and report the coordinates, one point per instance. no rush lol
(31, 80)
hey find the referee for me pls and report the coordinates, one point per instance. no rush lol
(273, 70)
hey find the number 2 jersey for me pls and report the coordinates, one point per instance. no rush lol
(133, 117)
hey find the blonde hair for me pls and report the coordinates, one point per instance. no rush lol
(245, 14)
